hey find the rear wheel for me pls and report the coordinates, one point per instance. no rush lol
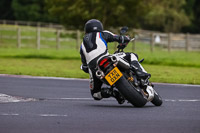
(130, 93)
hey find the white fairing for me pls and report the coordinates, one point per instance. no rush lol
(101, 48)
(133, 57)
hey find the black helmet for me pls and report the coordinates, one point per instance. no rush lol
(93, 25)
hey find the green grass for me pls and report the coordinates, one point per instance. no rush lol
(174, 74)
(173, 67)
(71, 69)
(182, 68)
(42, 67)
(63, 54)
(175, 58)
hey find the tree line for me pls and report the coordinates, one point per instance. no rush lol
(160, 15)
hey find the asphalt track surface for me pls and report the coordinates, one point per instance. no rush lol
(48, 105)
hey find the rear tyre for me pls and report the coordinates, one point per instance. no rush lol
(130, 93)
(157, 100)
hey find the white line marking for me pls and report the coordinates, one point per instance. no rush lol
(169, 100)
(6, 99)
(192, 100)
(70, 99)
(182, 100)
(109, 99)
(83, 99)
(52, 115)
(190, 85)
(11, 114)
(42, 115)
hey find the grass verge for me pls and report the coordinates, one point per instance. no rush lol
(71, 69)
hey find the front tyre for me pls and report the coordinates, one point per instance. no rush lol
(157, 100)
(130, 93)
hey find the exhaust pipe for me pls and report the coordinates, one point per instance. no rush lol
(120, 62)
(114, 59)
(99, 74)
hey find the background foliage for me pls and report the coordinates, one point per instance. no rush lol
(165, 15)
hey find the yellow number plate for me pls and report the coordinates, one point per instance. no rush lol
(113, 76)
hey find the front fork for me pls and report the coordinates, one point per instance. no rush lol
(150, 92)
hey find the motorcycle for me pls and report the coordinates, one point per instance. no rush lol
(116, 72)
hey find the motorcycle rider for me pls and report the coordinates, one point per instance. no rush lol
(93, 47)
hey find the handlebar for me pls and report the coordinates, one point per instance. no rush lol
(120, 49)
(123, 32)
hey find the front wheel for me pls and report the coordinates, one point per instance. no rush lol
(157, 100)
(130, 93)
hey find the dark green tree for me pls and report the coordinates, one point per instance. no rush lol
(30, 10)
(112, 13)
(166, 15)
(196, 21)
(6, 10)
(192, 9)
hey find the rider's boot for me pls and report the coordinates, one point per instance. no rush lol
(109, 92)
(139, 70)
(120, 99)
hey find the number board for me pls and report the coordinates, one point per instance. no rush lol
(113, 76)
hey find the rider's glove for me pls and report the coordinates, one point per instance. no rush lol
(85, 68)
(124, 39)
